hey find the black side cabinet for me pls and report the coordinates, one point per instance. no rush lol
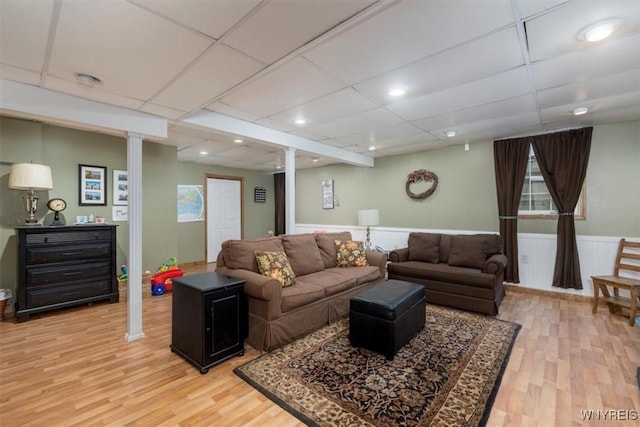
(64, 266)
(209, 319)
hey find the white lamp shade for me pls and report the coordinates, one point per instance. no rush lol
(368, 217)
(27, 176)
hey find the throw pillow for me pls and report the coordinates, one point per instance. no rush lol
(327, 244)
(467, 251)
(424, 247)
(276, 265)
(350, 254)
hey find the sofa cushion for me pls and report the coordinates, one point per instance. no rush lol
(350, 253)
(242, 253)
(441, 273)
(468, 251)
(276, 265)
(303, 253)
(331, 281)
(361, 275)
(327, 245)
(424, 247)
(301, 294)
(445, 246)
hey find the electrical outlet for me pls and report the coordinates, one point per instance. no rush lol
(524, 259)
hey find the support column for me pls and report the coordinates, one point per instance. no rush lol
(134, 263)
(290, 190)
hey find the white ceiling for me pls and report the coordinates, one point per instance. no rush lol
(487, 69)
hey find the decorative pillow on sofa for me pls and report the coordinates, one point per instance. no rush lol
(467, 251)
(327, 244)
(350, 254)
(276, 265)
(424, 247)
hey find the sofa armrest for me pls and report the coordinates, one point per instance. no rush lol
(399, 255)
(495, 264)
(256, 285)
(378, 259)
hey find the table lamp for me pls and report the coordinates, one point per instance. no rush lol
(30, 177)
(368, 217)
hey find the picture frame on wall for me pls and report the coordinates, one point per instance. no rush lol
(120, 187)
(92, 185)
(327, 194)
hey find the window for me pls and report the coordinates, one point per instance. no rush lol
(535, 200)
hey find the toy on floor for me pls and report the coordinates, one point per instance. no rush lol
(125, 273)
(161, 281)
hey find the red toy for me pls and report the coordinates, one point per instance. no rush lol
(164, 278)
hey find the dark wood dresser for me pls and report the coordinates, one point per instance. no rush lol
(64, 266)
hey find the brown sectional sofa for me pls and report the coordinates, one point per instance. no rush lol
(460, 271)
(319, 296)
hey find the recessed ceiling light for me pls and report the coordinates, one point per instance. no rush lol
(278, 167)
(599, 31)
(87, 79)
(372, 147)
(300, 121)
(397, 91)
(315, 159)
(450, 133)
(579, 111)
(238, 141)
(204, 153)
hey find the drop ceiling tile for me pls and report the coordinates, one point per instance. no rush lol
(134, 52)
(342, 103)
(219, 69)
(242, 153)
(19, 75)
(591, 89)
(595, 62)
(291, 84)
(361, 122)
(183, 141)
(555, 33)
(505, 107)
(406, 32)
(629, 101)
(418, 138)
(213, 18)
(334, 142)
(92, 93)
(279, 27)
(494, 53)
(465, 131)
(373, 136)
(222, 108)
(490, 89)
(279, 125)
(305, 133)
(407, 149)
(24, 29)
(533, 7)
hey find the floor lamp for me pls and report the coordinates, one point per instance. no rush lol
(368, 217)
(30, 177)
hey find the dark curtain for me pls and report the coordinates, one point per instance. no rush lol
(563, 159)
(279, 195)
(510, 160)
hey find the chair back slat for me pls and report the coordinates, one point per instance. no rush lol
(628, 257)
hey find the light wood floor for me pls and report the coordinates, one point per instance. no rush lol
(73, 368)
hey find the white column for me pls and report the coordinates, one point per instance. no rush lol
(134, 263)
(290, 190)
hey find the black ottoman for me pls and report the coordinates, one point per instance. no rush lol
(387, 316)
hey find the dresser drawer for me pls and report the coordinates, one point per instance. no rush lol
(37, 297)
(39, 276)
(77, 236)
(50, 254)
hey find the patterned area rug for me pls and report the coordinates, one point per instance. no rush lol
(447, 375)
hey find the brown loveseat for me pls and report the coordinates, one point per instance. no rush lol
(460, 271)
(279, 315)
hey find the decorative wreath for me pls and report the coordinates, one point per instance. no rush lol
(421, 175)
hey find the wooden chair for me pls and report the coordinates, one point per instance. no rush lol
(627, 259)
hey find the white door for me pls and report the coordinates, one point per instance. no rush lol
(223, 214)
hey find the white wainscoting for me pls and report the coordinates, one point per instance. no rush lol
(537, 252)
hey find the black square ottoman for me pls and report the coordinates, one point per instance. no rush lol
(387, 316)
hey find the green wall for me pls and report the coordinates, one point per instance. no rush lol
(258, 217)
(466, 196)
(63, 149)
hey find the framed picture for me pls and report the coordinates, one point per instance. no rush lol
(327, 194)
(92, 185)
(120, 187)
